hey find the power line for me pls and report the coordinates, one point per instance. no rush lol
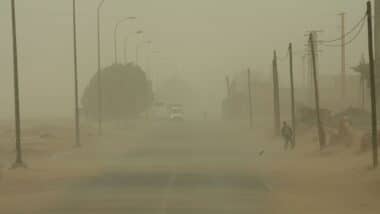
(359, 24)
(284, 57)
(351, 40)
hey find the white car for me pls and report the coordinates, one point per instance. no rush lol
(176, 113)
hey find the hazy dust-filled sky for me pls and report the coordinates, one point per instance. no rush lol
(200, 40)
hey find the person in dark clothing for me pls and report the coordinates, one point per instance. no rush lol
(287, 134)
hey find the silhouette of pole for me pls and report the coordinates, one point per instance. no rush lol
(250, 100)
(99, 76)
(138, 50)
(321, 131)
(343, 55)
(126, 50)
(293, 107)
(276, 97)
(373, 86)
(19, 162)
(228, 87)
(115, 35)
(77, 127)
(126, 45)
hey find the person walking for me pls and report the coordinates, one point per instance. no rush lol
(287, 134)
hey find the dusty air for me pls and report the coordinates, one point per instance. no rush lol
(189, 107)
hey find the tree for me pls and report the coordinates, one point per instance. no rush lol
(126, 93)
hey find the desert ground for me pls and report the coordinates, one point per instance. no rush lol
(190, 167)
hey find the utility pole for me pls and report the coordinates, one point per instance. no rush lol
(126, 50)
(343, 50)
(362, 92)
(276, 97)
(373, 86)
(19, 162)
(77, 127)
(321, 131)
(99, 75)
(228, 87)
(304, 70)
(250, 99)
(293, 107)
(310, 61)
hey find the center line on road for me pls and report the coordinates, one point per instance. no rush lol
(167, 190)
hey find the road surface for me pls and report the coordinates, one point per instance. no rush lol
(162, 168)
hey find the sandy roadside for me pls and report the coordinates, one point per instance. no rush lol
(339, 180)
(44, 142)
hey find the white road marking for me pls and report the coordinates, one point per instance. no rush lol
(167, 191)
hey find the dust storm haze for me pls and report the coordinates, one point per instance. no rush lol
(200, 41)
(194, 111)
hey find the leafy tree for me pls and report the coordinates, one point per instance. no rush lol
(125, 90)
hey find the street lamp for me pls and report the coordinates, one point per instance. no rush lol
(126, 45)
(99, 78)
(115, 34)
(138, 49)
(19, 162)
(77, 128)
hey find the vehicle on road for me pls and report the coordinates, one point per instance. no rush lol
(176, 113)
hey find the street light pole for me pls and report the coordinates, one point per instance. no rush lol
(19, 162)
(77, 128)
(115, 35)
(126, 46)
(126, 50)
(99, 78)
(138, 50)
(293, 105)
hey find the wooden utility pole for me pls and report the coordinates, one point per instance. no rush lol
(362, 92)
(293, 107)
(250, 99)
(343, 55)
(19, 162)
(321, 131)
(304, 70)
(276, 98)
(76, 96)
(373, 86)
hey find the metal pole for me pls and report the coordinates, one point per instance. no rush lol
(115, 36)
(250, 100)
(99, 77)
(321, 131)
(77, 127)
(373, 86)
(137, 54)
(343, 50)
(292, 94)
(126, 50)
(115, 43)
(228, 87)
(276, 97)
(19, 162)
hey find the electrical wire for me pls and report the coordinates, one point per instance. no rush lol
(361, 21)
(351, 40)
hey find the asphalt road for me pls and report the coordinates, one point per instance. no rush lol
(168, 168)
